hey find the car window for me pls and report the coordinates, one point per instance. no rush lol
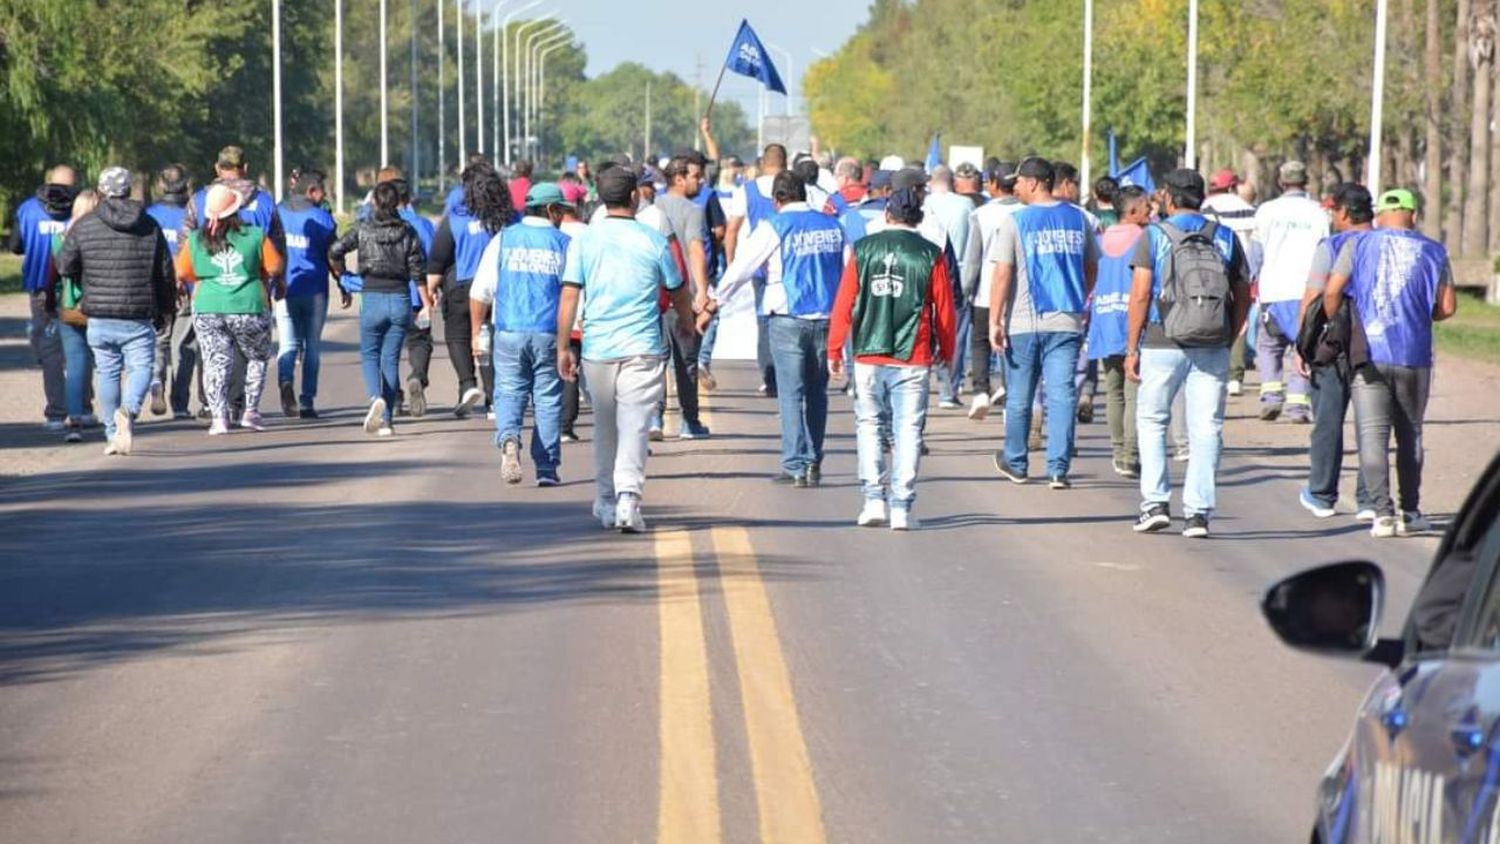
(1464, 583)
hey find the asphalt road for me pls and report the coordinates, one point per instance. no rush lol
(310, 635)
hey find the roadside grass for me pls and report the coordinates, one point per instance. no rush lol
(1473, 332)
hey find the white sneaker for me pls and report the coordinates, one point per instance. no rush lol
(1365, 515)
(385, 431)
(998, 397)
(979, 407)
(628, 514)
(124, 431)
(471, 397)
(253, 421)
(950, 404)
(873, 514)
(510, 462)
(375, 417)
(1413, 523)
(1384, 527)
(219, 427)
(1235, 388)
(110, 451)
(604, 511)
(903, 520)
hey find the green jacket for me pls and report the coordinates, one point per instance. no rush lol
(895, 274)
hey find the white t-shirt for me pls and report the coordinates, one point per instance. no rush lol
(986, 222)
(1288, 230)
(647, 213)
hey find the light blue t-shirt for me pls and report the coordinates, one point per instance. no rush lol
(622, 265)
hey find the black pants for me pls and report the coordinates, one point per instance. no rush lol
(458, 337)
(685, 367)
(419, 352)
(980, 352)
(571, 391)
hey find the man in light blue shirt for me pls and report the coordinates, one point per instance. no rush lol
(620, 268)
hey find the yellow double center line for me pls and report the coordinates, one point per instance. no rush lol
(786, 797)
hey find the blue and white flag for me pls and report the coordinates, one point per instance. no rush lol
(934, 154)
(747, 57)
(1136, 173)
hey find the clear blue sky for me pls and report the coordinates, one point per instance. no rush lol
(649, 32)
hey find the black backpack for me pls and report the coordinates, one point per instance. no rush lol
(1321, 339)
(1196, 301)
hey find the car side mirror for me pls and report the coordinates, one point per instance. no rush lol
(1332, 610)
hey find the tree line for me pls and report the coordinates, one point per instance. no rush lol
(1277, 79)
(148, 82)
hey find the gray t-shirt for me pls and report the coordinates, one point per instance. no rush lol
(1322, 264)
(1005, 248)
(684, 216)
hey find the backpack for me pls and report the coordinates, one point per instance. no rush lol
(1196, 299)
(1322, 339)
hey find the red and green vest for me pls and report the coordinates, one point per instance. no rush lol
(895, 276)
(229, 281)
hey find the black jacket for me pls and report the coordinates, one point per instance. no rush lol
(121, 260)
(390, 254)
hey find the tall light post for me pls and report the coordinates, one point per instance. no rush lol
(442, 59)
(791, 75)
(1088, 90)
(338, 104)
(541, 84)
(519, 44)
(505, 70)
(463, 149)
(1190, 154)
(495, 72)
(415, 174)
(385, 136)
(558, 36)
(1377, 101)
(276, 91)
(525, 99)
(479, 78)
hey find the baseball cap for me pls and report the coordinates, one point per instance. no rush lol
(615, 185)
(1397, 199)
(543, 194)
(648, 175)
(1036, 167)
(231, 157)
(908, 177)
(1293, 173)
(1003, 172)
(1184, 182)
(966, 170)
(892, 163)
(881, 179)
(1223, 179)
(114, 183)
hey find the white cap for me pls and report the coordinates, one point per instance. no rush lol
(892, 163)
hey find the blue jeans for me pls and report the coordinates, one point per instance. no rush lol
(78, 367)
(897, 393)
(1042, 356)
(127, 345)
(384, 319)
(1331, 389)
(526, 371)
(799, 348)
(1202, 375)
(706, 345)
(300, 327)
(951, 378)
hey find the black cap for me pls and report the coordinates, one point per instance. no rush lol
(1036, 167)
(1185, 183)
(1002, 173)
(908, 177)
(615, 185)
(903, 201)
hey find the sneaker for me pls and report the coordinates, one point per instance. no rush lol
(110, 450)
(1269, 411)
(1299, 414)
(1235, 388)
(873, 514)
(1183, 454)
(158, 399)
(490, 415)
(655, 434)
(998, 397)
(706, 380)
(181, 415)
(416, 398)
(124, 437)
(73, 436)
(1413, 523)
(205, 414)
(1005, 471)
(219, 427)
(1197, 526)
(1384, 527)
(1059, 482)
(547, 479)
(787, 479)
(385, 430)
(902, 519)
(54, 425)
(1314, 506)
(1366, 514)
(979, 407)
(289, 407)
(604, 511)
(761, 389)
(88, 420)
(569, 437)
(1127, 470)
(471, 397)
(307, 412)
(815, 474)
(1086, 413)
(950, 404)
(693, 431)
(510, 462)
(628, 514)
(375, 416)
(1154, 517)
(252, 420)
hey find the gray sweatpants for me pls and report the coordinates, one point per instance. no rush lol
(46, 346)
(624, 394)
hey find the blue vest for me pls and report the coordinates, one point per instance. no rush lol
(530, 279)
(1053, 239)
(426, 231)
(838, 203)
(854, 225)
(309, 232)
(812, 260)
(758, 206)
(37, 228)
(469, 240)
(258, 211)
(1109, 315)
(455, 199)
(169, 217)
(1394, 286)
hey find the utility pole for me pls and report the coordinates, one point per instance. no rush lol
(385, 137)
(442, 59)
(414, 174)
(1377, 104)
(338, 104)
(463, 150)
(1190, 151)
(479, 77)
(276, 88)
(1088, 87)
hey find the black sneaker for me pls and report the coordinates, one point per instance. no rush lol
(1085, 412)
(1153, 518)
(815, 474)
(569, 437)
(289, 407)
(1005, 471)
(788, 479)
(1059, 482)
(1197, 526)
(308, 412)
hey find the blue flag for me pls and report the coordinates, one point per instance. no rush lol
(748, 58)
(1136, 173)
(934, 155)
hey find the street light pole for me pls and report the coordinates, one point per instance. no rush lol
(338, 104)
(479, 78)
(505, 69)
(559, 36)
(495, 71)
(519, 63)
(541, 84)
(415, 174)
(442, 59)
(1088, 90)
(463, 150)
(1377, 102)
(791, 74)
(1190, 154)
(526, 100)
(276, 89)
(385, 137)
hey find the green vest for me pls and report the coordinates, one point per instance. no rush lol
(895, 274)
(229, 282)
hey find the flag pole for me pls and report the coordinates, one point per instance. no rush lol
(707, 112)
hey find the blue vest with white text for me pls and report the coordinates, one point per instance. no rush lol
(1053, 239)
(469, 239)
(812, 260)
(1394, 286)
(169, 217)
(1109, 312)
(37, 228)
(530, 278)
(309, 231)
